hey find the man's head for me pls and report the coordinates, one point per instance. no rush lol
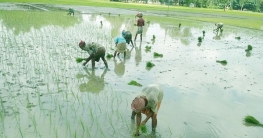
(138, 104)
(139, 14)
(82, 44)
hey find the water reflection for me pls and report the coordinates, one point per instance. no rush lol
(217, 36)
(95, 83)
(138, 53)
(119, 68)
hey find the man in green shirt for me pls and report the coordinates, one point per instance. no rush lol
(148, 103)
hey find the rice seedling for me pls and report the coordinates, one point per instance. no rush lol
(148, 22)
(251, 120)
(223, 62)
(148, 48)
(238, 37)
(200, 39)
(109, 55)
(203, 32)
(179, 25)
(143, 128)
(149, 64)
(135, 24)
(155, 54)
(153, 37)
(249, 48)
(135, 83)
(78, 60)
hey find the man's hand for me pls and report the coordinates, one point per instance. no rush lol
(137, 133)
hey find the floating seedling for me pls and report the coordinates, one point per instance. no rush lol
(148, 48)
(223, 62)
(180, 25)
(200, 39)
(155, 54)
(249, 48)
(135, 24)
(78, 60)
(135, 83)
(251, 120)
(149, 65)
(203, 32)
(148, 22)
(109, 55)
(153, 37)
(143, 128)
(238, 37)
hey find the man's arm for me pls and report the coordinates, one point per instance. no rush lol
(88, 59)
(138, 122)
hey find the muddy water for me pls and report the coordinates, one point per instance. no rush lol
(45, 93)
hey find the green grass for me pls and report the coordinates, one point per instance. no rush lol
(235, 18)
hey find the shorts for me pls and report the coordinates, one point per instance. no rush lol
(139, 30)
(121, 47)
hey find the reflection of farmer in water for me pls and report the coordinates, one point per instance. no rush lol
(138, 54)
(218, 36)
(147, 102)
(71, 11)
(95, 83)
(119, 68)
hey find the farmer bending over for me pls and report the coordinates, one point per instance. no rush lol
(120, 46)
(219, 26)
(148, 103)
(140, 24)
(70, 11)
(96, 51)
(128, 36)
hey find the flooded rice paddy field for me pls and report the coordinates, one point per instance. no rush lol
(45, 93)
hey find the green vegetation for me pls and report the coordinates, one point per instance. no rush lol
(149, 65)
(153, 37)
(179, 25)
(78, 60)
(251, 120)
(155, 54)
(249, 48)
(109, 55)
(221, 30)
(223, 62)
(148, 48)
(238, 37)
(143, 129)
(135, 83)
(203, 32)
(200, 39)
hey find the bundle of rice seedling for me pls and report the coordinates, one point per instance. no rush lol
(249, 47)
(252, 120)
(149, 65)
(148, 48)
(200, 39)
(223, 62)
(238, 37)
(135, 83)
(143, 128)
(155, 54)
(109, 55)
(78, 60)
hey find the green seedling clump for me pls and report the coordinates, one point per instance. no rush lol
(153, 37)
(249, 47)
(222, 61)
(238, 37)
(203, 32)
(221, 30)
(143, 128)
(148, 22)
(135, 24)
(135, 83)
(78, 60)
(180, 25)
(252, 120)
(200, 39)
(109, 55)
(148, 48)
(149, 65)
(155, 54)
